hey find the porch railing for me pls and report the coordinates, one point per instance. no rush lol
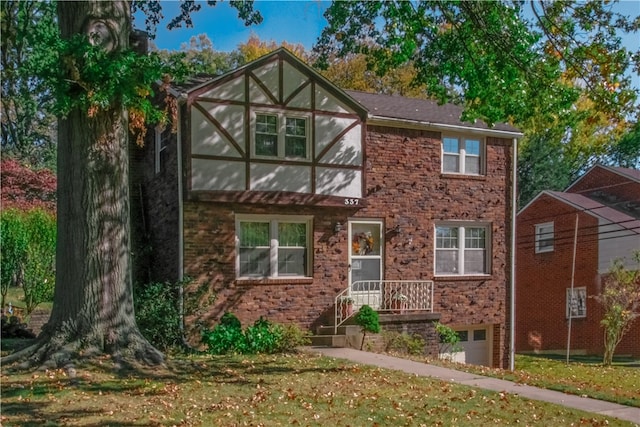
(393, 296)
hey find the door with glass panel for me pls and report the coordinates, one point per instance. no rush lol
(365, 262)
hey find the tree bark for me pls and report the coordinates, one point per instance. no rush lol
(93, 300)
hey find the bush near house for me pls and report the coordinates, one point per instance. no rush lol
(263, 337)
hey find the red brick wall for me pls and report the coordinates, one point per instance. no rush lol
(404, 186)
(542, 280)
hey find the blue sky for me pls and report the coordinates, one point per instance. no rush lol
(293, 21)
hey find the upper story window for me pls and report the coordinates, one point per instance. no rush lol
(462, 249)
(544, 237)
(462, 155)
(280, 135)
(273, 246)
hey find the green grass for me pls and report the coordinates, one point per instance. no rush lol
(583, 376)
(15, 296)
(281, 390)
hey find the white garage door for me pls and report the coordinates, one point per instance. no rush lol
(475, 343)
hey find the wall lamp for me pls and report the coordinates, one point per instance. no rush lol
(337, 227)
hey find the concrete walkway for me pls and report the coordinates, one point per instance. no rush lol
(591, 405)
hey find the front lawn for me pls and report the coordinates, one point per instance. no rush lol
(282, 390)
(583, 376)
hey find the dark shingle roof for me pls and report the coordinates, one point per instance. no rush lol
(419, 110)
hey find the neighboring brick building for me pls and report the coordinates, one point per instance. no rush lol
(285, 191)
(604, 205)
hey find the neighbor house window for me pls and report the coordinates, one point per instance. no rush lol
(280, 135)
(462, 249)
(273, 247)
(544, 237)
(462, 155)
(576, 302)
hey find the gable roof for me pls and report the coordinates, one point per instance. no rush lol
(632, 174)
(423, 111)
(593, 208)
(394, 110)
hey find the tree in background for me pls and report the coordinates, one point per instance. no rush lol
(561, 75)
(200, 57)
(27, 122)
(102, 93)
(254, 48)
(620, 300)
(26, 188)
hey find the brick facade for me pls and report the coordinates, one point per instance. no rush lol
(542, 279)
(405, 187)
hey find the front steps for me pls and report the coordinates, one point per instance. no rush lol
(346, 336)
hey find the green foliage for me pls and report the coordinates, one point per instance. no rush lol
(490, 56)
(368, 320)
(449, 339)
(403, 343)
(39, 263)
(28, 123)
(157, 313)
(263, 337)
(620, 300)
(28, 241)
(225, 338)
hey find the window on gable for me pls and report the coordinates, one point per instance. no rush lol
(279, 135)
(576, 302)
(273, 246)
(462, 250)
(544, 237)
(462, 155)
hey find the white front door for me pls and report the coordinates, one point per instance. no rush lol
(365, 262)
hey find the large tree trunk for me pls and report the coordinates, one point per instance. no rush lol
(93, 302)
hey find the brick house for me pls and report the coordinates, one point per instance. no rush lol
(604, 206)
(285, 193)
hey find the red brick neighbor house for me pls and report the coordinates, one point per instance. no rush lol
(288, 198)
(598, 217)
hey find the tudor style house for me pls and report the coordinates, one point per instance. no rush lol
(566, 243)
(283, 196)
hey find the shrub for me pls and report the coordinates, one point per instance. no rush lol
(157, 313)
(28, 241)
(262, 337)
(227, 337)
(368, 320)
(12, 327)
(404, 343)
(449, 339)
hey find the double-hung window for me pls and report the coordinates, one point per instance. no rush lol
(462, 249)
(273, 246)
(462, 155)
(281, 135)
(544, 237)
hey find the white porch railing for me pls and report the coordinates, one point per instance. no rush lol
(394, 296)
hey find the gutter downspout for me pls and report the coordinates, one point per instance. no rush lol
(181, 100)
(512, 302)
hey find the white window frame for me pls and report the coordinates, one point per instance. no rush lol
(281, 127)
(462, 229)
(462, 155)
(273, 221)
(579, 301)
(547, 230)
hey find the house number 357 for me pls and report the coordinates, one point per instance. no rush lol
(351, 201)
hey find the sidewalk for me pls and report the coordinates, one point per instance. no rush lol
(600, 407)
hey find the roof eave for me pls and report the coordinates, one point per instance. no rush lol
(415, 124)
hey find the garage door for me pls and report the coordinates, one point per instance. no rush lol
(475, 343)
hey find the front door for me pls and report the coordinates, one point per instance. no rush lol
(365, 262)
